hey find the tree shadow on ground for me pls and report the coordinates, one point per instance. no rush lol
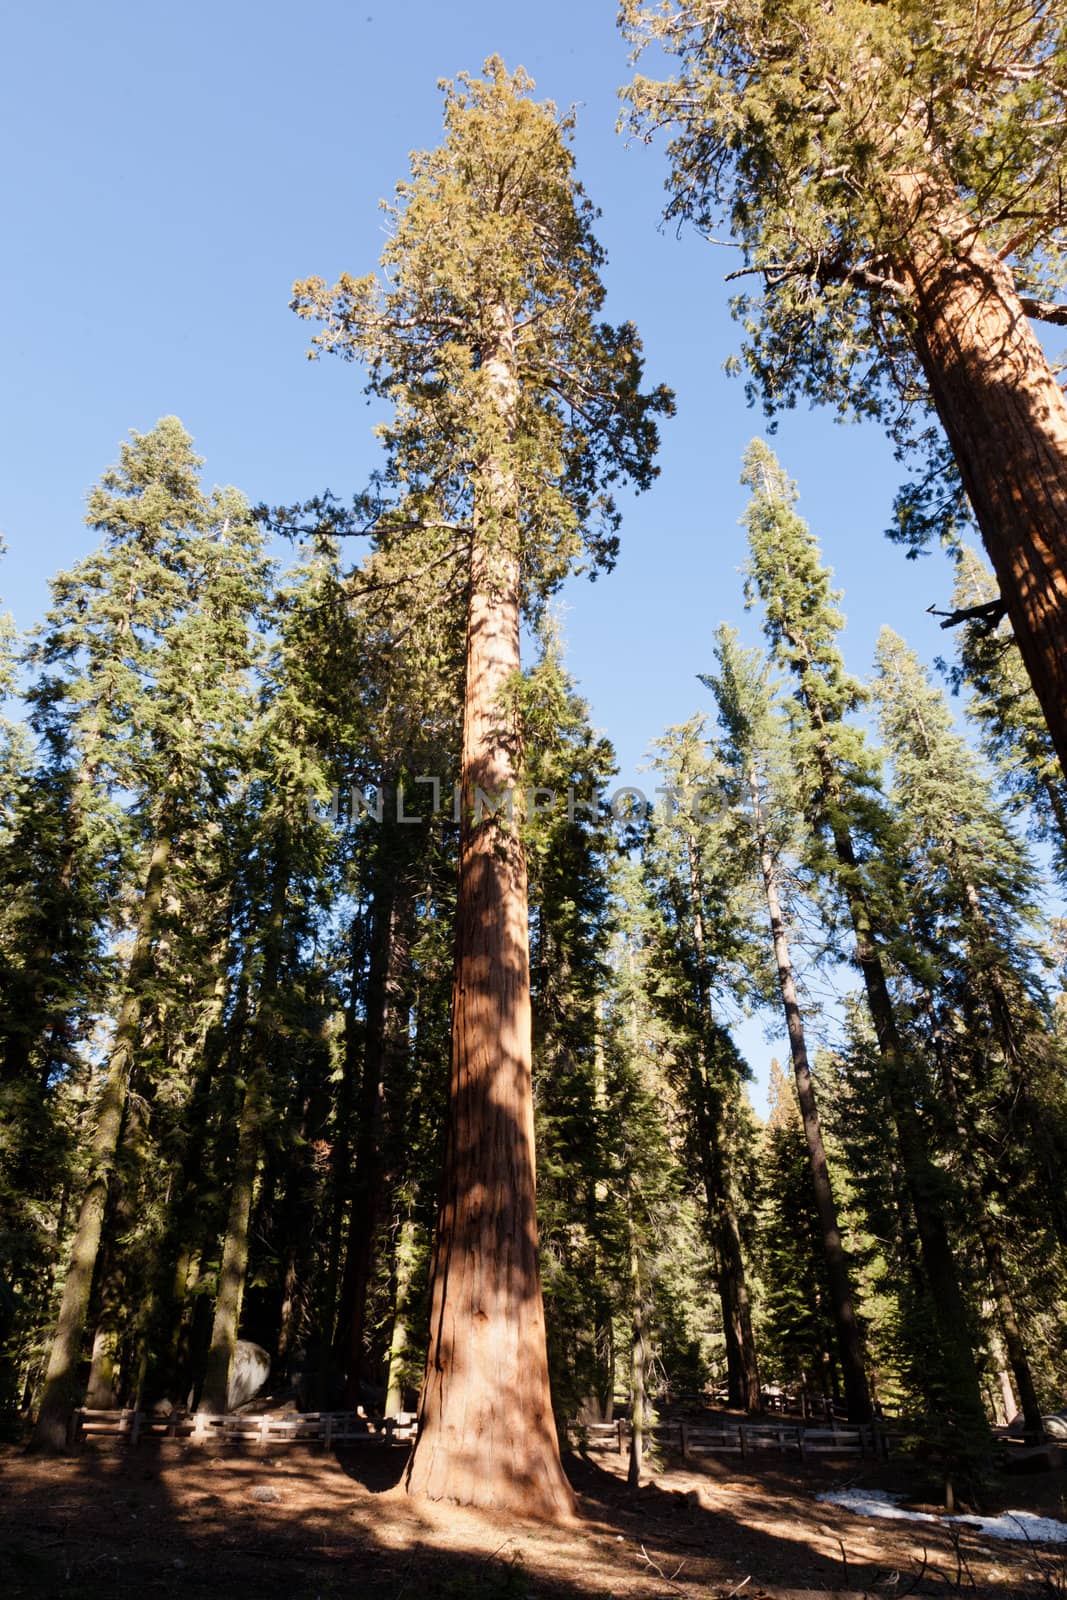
(304, 1526)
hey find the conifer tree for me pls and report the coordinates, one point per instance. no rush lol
(514, 411)
(142, 631)
(971, 882)
(894, 178)
(745, 712)
(798, 1331)
(706, 935)
(661, 1230)
(837, 771)
(570, 845)
(1014, 734)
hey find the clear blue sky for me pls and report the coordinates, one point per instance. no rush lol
(169, 172)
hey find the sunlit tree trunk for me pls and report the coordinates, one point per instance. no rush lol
(487, 1433)
(400, 1339)
(1006, 419)
(60, 1394)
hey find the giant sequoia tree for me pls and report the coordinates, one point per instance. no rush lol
(894, 175)
(514, 411)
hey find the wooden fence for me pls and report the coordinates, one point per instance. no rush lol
(692, 1440)
(264, 1431)
(270, 1429)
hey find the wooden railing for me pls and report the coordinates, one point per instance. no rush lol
(263, 1431)
(692, 1440)
(270, 1429)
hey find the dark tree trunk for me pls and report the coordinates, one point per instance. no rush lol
(385, 1050)
(249, 1143)
(842, 1305)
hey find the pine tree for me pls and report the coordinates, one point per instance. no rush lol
(802, 623)
(746, 714)
(1002, 703)
(660, 1231)
(970, 880)
(515, 410)
(705, 937)
(895, 181)
(141, 636)
(798, 1329)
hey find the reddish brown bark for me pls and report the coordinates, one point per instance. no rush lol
(1006, 420)
(487, 1435)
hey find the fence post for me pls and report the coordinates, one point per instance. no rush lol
(135, 1428)
(618, 1432)
(800, 1443)
(684, 1431)
(327, 1432)
(741, 1435)
(264, 1431)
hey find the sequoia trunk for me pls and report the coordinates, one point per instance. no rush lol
(487, 1435)
(1006, 420)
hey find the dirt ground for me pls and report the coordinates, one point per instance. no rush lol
(171, 1521)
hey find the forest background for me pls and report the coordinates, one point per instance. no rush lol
(265, 1140)
(169, 175)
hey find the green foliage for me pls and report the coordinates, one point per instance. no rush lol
(797, 1341)
(492, 236)
(1012, 728)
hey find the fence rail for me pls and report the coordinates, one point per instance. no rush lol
(269, 1429)
(264, 1431)
(692, 1440)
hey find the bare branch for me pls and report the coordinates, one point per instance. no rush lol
(1044, 310)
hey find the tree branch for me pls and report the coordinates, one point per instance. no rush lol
(1043, 310)
(990, 614)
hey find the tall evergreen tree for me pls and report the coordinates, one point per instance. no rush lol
(515, 410)
(706, 936)
(745, 711)
(1001, 1071)
(798, 1329)
(143, 632)
(1002, 703)
(802, 623)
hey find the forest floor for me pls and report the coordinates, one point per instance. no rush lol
(171, 1521)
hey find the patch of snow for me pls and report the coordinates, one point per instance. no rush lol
(1022, 1526)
